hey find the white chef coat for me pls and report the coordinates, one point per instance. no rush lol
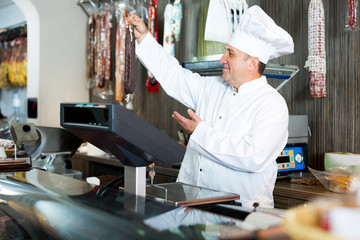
(234, 148)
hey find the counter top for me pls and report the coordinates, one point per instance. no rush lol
(286, 194)
(79, 211)
(285, 188)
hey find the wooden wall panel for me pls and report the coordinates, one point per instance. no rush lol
(333, 120)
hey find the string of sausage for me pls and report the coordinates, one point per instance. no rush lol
(108, 29)
(352, 14)
(129, 79)
(91, 48)
(316, 62)
(97, 52)
(101, 74)
(120, 59)
(105, 49)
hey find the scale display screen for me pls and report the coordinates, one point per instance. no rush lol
(291, 159)
(86, 114)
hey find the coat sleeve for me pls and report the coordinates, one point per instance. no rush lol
(253, 152)
(179, 83)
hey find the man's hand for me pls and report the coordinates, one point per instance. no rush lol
(140, 29)
(188, 124)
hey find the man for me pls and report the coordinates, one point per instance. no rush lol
(239, 124)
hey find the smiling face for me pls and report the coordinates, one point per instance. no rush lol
(238, 67)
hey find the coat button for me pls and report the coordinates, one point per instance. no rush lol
(200, 169)
(234, 94)
(220, 117)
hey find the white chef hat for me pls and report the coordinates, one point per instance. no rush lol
(258, 36)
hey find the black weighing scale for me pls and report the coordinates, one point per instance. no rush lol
(136, 143)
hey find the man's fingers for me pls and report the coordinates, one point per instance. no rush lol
(177, 116)
(193, 115)
(188, 124)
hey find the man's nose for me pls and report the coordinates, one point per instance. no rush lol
(222, 59)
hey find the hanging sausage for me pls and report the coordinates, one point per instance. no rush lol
(121, 11)
(4, 80)
(13, 58)
(99, 52)
(125, 56)
(17, 63)
(19, 66)
(316, 62)
(129, 79)
(103, 85)
(107, 53)
(351, 23)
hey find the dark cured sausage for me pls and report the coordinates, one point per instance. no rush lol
(105, 49)
(101, 77)
(91, 48)
(352, 14)
(129, 81)
(120, 60)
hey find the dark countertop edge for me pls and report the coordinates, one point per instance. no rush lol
(106, 159)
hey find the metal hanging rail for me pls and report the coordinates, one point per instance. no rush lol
(212, 67)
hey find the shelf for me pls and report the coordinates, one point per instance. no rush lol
(272, 70)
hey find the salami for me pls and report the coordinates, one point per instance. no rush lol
(96, 46)
(4, 64)
(108, 29)
(91, 51)
(104, 74)
(352, 14)
(101, 77)
(20, 63)
(129, 79)
(121, 11)
(120, 60)
(316, 62)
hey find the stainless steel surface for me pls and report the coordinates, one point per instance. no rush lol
(43, 181)
(135, 180)
(181, 194)
(298, 129)
(54, 146)
(54, 140)
(4, 128)
(90, 7)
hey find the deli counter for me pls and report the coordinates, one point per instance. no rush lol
(42, 199)
(37, 204)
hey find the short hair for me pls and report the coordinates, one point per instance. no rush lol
(261, 68)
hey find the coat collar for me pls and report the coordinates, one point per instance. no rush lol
(252, 85)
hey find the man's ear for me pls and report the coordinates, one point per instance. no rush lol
(254, 64)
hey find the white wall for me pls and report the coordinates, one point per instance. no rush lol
(57, 37)
(63, 38)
